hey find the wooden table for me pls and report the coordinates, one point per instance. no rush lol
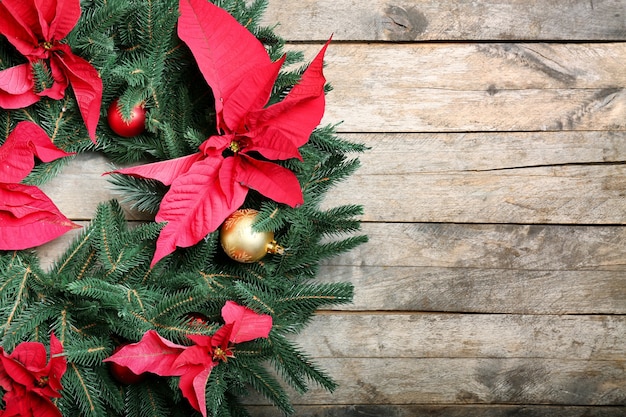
(494, 281)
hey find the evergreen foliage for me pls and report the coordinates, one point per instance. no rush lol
(102, 292)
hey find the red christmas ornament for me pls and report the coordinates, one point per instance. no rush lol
(127, 128)
(197, 319)
(123, 374)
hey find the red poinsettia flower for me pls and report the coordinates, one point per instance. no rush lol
(28, 218)
(194, 363)
(30, 381)
(36, 28)
(206, 187)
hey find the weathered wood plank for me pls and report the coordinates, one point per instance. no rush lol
(481, 290)
(411, 20)
(414, 153)
(476, 87)
(436, 335)
(577, 194)
(404, 410)
(486, 246)
(469, 381)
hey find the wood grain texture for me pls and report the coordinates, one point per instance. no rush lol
(476, 87)
(577, 194)
(404, 410)
(420, 20)
(469, 381)
(419, 153)
(436, 335)
(481, 290)
(485, 246)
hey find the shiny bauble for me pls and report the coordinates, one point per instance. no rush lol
(127, 128)
(123, 374)
(241, 243)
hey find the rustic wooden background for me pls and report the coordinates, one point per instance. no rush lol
(494, 282)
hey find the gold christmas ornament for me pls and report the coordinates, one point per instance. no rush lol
(241, 242)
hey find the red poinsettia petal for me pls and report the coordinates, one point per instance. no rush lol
(32, 354)
(222, 336)
(194, 206)
(87, 86)
(215, 145)
(193, 355)
(271, 180)
(193, 386)
(302, 110)
(20, 24)
(274, 144)
(247, 324)
(252, 93)
(16, 371)
(224, 50)
(201, 340)
(60, 17)
(22, 403)
(28, 218)
(152, 353)
(57, 365)
(16, 153)
(163, 171)
(16, 87)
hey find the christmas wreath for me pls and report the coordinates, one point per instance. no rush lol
(214, 132)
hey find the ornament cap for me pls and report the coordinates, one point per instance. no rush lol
(275, 249)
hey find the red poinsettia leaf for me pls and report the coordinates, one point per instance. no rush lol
(215, 145)
(19, 23)
(224, 50)
(194, 206)
(193, 356)
(87, 86)
(247, 324)
(193, 386)
(201, 340)
(271, 180)
(28, 218)
(16, 87)
(252, 93)
(16, 153)
(163, 171)
(16, 370)
(228, 178)
(60, 17)
(274, 144)
(302, 110)
(57, 364)
(222, 336)
(32, 354)
(22, 403)
(152, 353)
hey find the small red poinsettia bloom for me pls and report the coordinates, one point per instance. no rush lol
(30, 380)
(206, 187)
(194, 363)
(36, 29)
